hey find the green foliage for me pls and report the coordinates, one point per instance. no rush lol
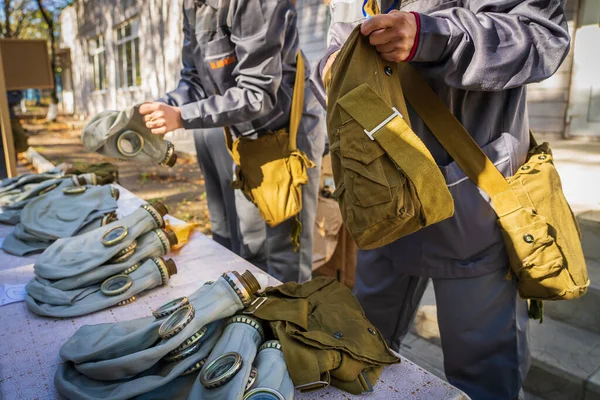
(23, 19)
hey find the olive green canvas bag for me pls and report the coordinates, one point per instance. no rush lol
(271, 170)
(387, 183)
(540, 232)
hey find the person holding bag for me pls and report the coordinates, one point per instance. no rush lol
(242, 70)
(477, 57)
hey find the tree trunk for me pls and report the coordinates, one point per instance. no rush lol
(53, 110)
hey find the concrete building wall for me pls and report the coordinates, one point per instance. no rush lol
(313, 22)
(160, 41)
(548, 100)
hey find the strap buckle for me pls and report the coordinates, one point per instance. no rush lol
(368, 384)
(395, 114)
(255, 305)
(317, 385)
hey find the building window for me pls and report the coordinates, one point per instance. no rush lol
(98, 61)
(128, 55)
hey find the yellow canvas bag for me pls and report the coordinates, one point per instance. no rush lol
(387, 182)
(540, 232)
(270, 170)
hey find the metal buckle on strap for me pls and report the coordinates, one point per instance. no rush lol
(255, 305)
(395, 114)
(313, 386)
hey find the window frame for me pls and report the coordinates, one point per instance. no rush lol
(97, 54)
(133, 75)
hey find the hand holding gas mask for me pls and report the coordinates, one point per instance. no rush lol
(124, 135)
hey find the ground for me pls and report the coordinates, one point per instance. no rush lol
(180, 188)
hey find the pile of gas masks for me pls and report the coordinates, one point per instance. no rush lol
(124, 135)
(19, 192)
(13, 189)
(205, 346)
(67, 210)
(103, 267)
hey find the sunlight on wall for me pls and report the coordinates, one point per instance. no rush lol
(587, 57)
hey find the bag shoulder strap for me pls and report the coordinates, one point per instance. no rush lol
(451, 133)
(297, 101)
(296, 111)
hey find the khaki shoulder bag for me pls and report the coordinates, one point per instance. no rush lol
(387, 183)
(540, 232)
(271, 170)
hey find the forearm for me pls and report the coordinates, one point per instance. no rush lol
(494, 44)
(237, 105)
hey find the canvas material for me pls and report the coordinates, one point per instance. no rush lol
(271, 170)
(540, 232)
(391, 186)
(308, 320)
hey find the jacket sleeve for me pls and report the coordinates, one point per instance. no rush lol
(338, 33)
(189, 88)
(493, 45)
(258, 35)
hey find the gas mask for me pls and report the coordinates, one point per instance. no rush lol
(163, 380)
(13, 202)
(61, 213)
(13, 187)
(273, 380)
(122, 289)
(105, 245)
(228, 371)
(124, 135)
(120, 351)
(148, 245)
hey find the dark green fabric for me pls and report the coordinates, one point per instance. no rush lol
(105, 172)
(325, 335)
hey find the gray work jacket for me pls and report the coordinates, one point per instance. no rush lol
(239, 65)
(477, 55)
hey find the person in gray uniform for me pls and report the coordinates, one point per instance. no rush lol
(477, 55)
(239, 65)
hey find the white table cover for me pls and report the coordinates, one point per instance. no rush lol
(29, 344)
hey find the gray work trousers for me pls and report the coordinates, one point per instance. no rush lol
(216, 165)
(237, 224)
(483, 322)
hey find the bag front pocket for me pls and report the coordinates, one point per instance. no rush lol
(364, 175)
(535, 258)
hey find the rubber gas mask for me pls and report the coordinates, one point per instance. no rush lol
(124, 135)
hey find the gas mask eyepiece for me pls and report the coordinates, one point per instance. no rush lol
(221, 370)
(115, 285)
(130, 143)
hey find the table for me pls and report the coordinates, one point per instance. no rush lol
(29, 344)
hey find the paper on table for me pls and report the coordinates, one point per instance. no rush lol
(11, 293)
